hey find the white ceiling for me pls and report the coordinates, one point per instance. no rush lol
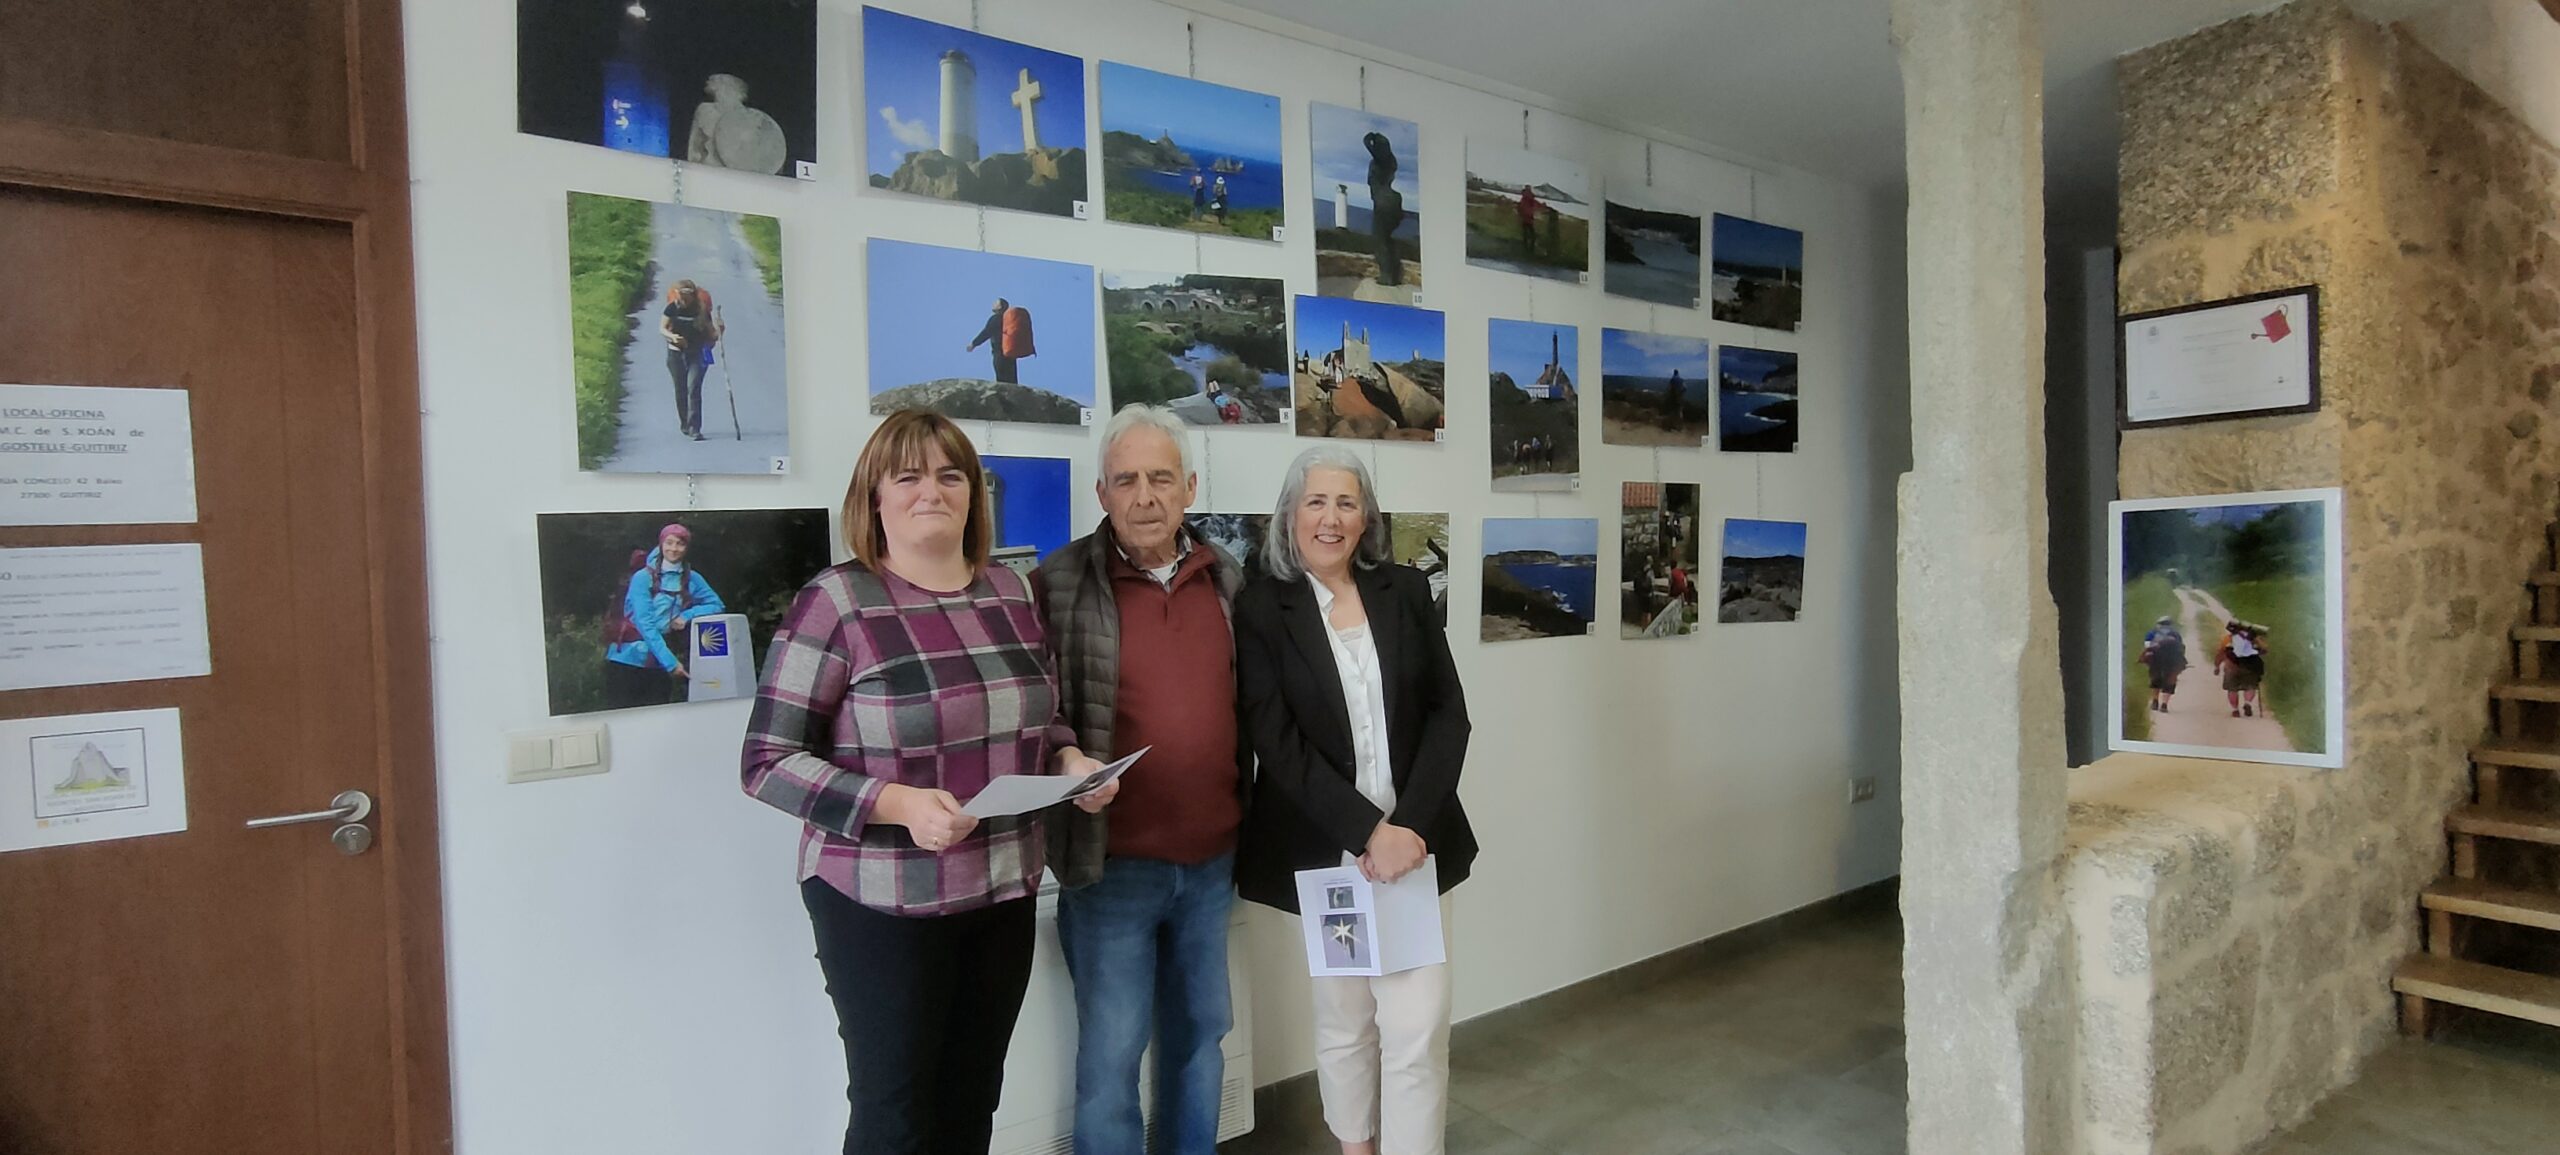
(1808, 83)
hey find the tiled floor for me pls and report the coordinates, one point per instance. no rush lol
(1794, 1047)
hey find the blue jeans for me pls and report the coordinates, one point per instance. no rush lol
(1147, 948)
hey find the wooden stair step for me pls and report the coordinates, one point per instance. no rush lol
(2549, 577)
(2522, 755)
(2500, 822)
(2537, 633)
(2472, 898)
(2535, 690)
(2515, 994)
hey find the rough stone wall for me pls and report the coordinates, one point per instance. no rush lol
(2307, 146)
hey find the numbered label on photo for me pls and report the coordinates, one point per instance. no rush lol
(779, 466)
(1083, 211)
(1706, 441)
(1582, 278)
(1084, 416)
(805, 169)
(1280, 233)
(1439, 435)
(1417, 299)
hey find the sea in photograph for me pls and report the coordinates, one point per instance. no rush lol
(1574, 585)
(1256, 187)
(1738, 411)
(1358, 220)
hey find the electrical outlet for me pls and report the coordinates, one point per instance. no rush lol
(1862, 790)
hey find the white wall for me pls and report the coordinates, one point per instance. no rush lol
(2507, 47)
(629, 964)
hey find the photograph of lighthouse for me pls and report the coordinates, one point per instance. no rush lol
(1369, 370)
(1368, 191)
(732, 83)
(958, 116)
(1187, 154)
(1029, 497)
(1536, 405)
(980, 336)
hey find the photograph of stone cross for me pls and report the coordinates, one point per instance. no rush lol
(941, 102)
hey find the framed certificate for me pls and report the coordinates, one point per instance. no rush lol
(2254, 356)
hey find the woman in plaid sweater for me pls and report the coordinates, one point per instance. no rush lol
(899, 684)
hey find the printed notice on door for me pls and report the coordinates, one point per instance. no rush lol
(82, 455)
(87, 614)
(90, 778)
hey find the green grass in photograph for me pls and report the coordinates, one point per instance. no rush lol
(1493, 233)
(608, 270)
(2297, 652)
(2145, 599)
(1148, 206)
(764, 235)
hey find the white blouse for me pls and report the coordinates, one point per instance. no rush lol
(1364, 698)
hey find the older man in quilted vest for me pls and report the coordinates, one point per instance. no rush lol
(1138, 613)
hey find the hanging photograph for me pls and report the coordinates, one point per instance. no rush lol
(1759, 274)
(732, 83)
(1536, 406)
(958, 116)
(1368, 192)
(1240, 534)
(1370, 370)
(2254, 356)
(1215, 349)
(980, 336)
(1755, 400)
(1029, 496)
(1654, 389)
(1649, 254)
(1658, 575)
(1421, 540)
(2228, 624)
(1187, 154)
(1527, 213)
(1763, 571)
(675, 337)
(646, 609)
(1541, 575)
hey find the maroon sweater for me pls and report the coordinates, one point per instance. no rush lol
(1177, 694)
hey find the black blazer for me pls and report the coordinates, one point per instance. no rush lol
(1307, 810)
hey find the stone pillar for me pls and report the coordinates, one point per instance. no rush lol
(1984, 969)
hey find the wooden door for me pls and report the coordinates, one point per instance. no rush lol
(211, 195)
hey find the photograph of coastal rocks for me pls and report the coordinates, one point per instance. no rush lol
(1368, 191)
(1649, 254)
(958, 116)
(1658, 574)
(980, 336)
(732, 83)
(1421, 540)
(1187, 154)
(1763, 571)
(1759, 274)
(1215, 349)
(1541, 575)
(1755, 400)
(1369, 370)
(1535, 405)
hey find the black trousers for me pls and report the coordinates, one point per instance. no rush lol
(926, 1008)
(626, 686)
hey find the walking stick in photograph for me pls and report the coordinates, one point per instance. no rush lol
(727, 383)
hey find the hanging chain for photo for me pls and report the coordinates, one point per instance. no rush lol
(679, 181)
(692, 492)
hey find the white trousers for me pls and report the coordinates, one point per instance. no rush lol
(1382, 1058)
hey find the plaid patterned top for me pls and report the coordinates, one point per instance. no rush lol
(872, 679)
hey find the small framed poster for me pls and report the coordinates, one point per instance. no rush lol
(2253, 356)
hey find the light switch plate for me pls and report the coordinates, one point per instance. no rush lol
(555, 752)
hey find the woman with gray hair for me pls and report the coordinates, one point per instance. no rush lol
(1353, 707)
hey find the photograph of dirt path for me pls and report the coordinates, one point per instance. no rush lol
(2228, 627)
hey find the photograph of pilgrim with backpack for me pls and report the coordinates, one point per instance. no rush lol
(653, 608)
(952, 330)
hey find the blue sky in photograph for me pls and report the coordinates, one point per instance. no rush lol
(926, 302)
(902, 89)
(1746, 538)
(1340, 158)
(1520, 348)
(1629, 353)
(1395, 331)
(1207, 120)
(1035, 501)
(1755, 365)
(1740, 241)
(1564, 535)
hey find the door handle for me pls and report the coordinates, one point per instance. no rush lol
(348, 806)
